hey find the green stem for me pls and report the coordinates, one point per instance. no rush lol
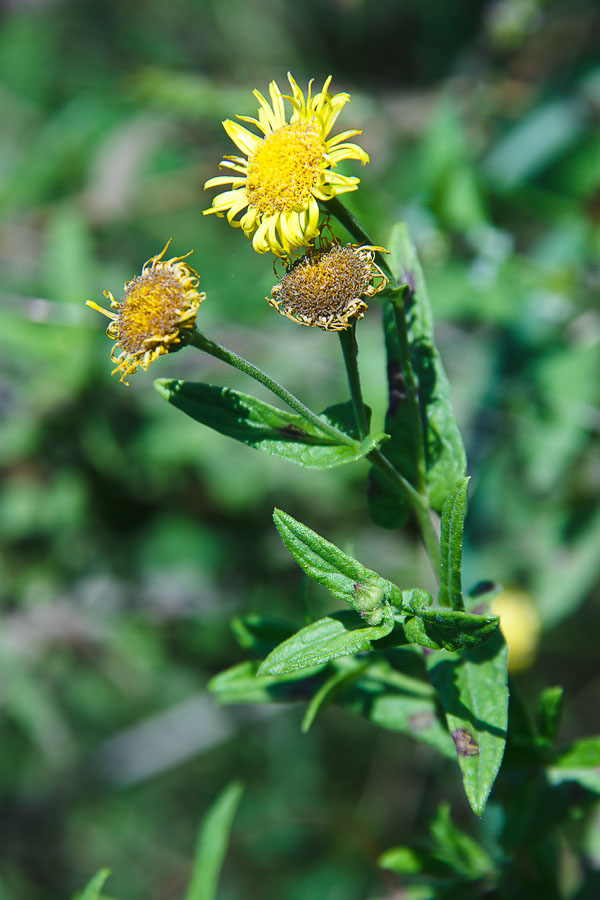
(419, 503)
(335, 207)
(201, 342)
(349, 346)
(419, 499)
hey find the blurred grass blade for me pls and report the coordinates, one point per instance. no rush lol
(473, 689)
(93, 890)
(453, 520)
(212, 844)
(262, 426)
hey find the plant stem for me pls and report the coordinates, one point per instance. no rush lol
(419, 497)
(201, 342)
(349, 346)
(335, 207)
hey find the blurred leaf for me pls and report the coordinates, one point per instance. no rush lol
(260, 634)
(240, 685)
(538, 139)
(335, 684)
(444, 450)
(261, 425)
(342, 575)
(340, 634)
(464, 855)
(549, 711)
(212, 843)
(93, 890)
(453, 520)
(580, 763)
(473, 689)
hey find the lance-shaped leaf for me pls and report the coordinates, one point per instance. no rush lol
(473, 689)
(344, 577)
(580, 763)
(262, 426)
(444, 629)
(393, 694)
(340, 634)
(239, 684)
(211, 845)
(93, 890)
(445, 460)
(453, 519)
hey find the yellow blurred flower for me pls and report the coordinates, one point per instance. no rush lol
(327, 287)
(154, 313)
(520, 624)
(286, 169)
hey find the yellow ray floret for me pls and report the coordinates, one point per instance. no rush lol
(275, 187)
(154, 313)
(329, 285)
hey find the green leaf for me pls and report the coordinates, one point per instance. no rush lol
(262, 426)
(212, 842)
(393, 694)
(239, 684)
(347, 672)
(580, 763)
(473, 689)
(344, 577)
(444, 449)
(549, 712)
(453, 519)
(443, 629)
(337, 635)
(93, 889)
(260, 634)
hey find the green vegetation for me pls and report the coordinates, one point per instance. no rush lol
(142, 583)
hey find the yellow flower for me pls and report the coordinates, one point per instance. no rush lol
(155, 311)
(286, 169)
(520, 624)
(327, 286)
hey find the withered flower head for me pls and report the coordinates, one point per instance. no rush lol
(154, 313)
(327, 287)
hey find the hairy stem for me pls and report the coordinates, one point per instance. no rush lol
(201, 342)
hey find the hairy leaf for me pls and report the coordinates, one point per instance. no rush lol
(262, 426)
(344, 577)
(444, 449)
(453, 519)
(473, 689)
(340, 634)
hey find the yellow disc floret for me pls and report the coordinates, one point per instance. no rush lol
(156, 310)
(286, 170)
(327, 287)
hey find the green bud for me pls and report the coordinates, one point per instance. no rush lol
(369, 601)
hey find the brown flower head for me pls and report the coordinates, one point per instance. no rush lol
(154, 313)
(327, 287)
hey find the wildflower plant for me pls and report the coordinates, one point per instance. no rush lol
(449, 686)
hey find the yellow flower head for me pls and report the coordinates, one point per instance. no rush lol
(153, 314)
(328, 285)
(286, 169)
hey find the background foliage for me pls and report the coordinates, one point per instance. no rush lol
(131, 536)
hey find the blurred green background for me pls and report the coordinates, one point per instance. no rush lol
(131, 536)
